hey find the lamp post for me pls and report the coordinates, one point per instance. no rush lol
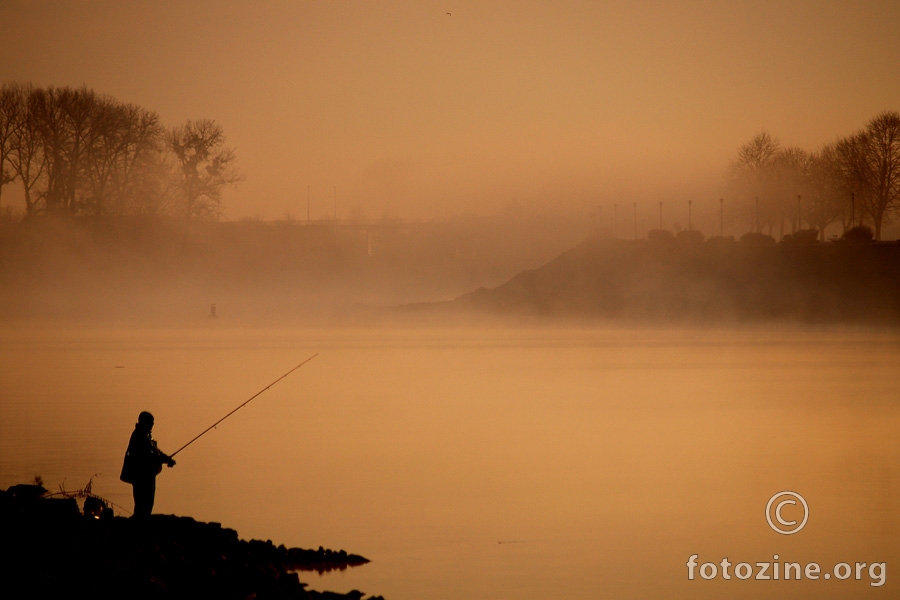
(690, 225)
(660, 214)
(615, 218)
(635, 220)
(721, 217)
(757, 213)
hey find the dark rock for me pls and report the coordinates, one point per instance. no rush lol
(52, 549)
(27, 491)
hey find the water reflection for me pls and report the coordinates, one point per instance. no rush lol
(609, 455)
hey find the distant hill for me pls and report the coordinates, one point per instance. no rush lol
(706, 281)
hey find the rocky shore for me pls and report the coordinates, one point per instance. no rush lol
(54, 549)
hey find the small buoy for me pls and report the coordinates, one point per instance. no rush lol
(212, 310)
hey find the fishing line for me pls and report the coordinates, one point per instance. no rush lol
(243, 405)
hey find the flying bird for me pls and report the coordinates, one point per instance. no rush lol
(449, 15)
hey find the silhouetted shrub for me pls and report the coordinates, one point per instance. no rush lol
(660, 236)
(689, 236)
(860, 233)
(720, 239)
(757, 238)
(802, 236)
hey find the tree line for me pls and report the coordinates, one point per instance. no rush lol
(854, 181)
(75, 152)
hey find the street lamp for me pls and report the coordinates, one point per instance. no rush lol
(721, 217)
(615, 218)
(757, 214)
(690, 227)
(660, 214)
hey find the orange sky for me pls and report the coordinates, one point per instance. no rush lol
(409, 112)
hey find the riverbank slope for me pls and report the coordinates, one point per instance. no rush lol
(706, 282)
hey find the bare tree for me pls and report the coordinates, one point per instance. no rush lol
(869, 165)
(881, 140)
(751, 180)
(65, 122)
(125, 154)
(205, 167)
(789, 178)
(143, 178)
(758, 153)
(826, 193)
(79, 153)
(13, 104)
(26, 158)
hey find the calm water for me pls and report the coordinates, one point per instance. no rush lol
(503, 463)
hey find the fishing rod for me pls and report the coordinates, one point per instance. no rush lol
(243, 405)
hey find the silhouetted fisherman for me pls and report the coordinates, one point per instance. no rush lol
(143, 462)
